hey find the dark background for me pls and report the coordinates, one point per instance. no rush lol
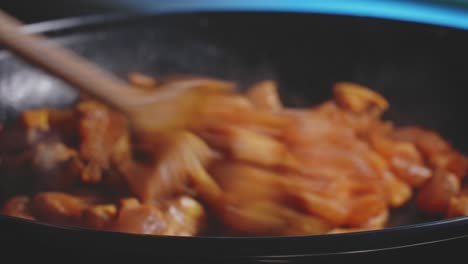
(39, 10)
(31, 11)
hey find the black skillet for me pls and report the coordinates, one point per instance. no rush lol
(422, 70)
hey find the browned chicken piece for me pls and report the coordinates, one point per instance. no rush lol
(331, 152)
(49, 154)
(255, 202)
(100, 130)
(58, 208)
(238, 110)
(182, 156)
(326, 148)
(18, 206)
(328, 199)
(413, 174)
(140, 219)
(35, 123)
(435, 195)
(438, 153)
(64, 122)
(129, 203)
(360, 123)
(185, 217)
(92, 173)
(59, 124)
(56, 166)
(403, 158)
(100, 216)
(358, 99)
(458, 206)
(246, 145)
(397, 191)
(104, 142)
(179, 105)
(309, 127)
(179, 217)
(333, 211)
(267, 218)
(366, 209)
(18, 139)
(264, 96)
(36, 119)
(376, 222)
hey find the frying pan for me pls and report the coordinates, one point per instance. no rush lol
(421, 68)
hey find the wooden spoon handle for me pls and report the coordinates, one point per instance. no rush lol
(64, 64)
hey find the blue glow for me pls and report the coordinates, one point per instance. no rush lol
(389, 9)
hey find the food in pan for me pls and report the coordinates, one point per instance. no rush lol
(225, 162)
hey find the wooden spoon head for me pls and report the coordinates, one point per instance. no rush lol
(172, 105)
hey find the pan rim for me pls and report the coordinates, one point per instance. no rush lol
(405, 11)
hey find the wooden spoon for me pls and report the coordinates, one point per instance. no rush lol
(140, 106)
